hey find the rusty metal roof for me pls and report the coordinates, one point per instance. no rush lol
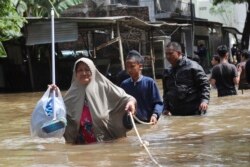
(104, 22)
(38, 29)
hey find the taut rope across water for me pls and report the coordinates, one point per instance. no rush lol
(143, 143)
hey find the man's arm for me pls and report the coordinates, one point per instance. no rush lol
(247, 70)
(202, 79)
(165, 105)
(236, 79)
(212, 82)
(212, 78)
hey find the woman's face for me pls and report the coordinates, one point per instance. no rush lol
(83, 73)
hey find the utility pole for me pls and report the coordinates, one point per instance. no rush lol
(192, 26)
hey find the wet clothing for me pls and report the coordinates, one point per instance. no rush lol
(224, 74)
(121, 76)
(202, 53)
(106, 103)
(243, 84)
(147, 95)
(185, 87)
(247, 70)
(86, 131)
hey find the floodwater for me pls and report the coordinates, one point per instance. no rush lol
(219, 138)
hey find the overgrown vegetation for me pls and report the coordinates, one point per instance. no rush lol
(10, 21)
(13, 13)
(246, 30)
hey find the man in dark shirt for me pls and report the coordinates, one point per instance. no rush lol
(224, 75)
(247, 68)
(243, 84)
(186, 89)
(202, 53)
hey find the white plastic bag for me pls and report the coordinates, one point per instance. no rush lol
(43, 113)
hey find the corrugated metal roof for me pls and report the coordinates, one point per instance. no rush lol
(95, 22)
(40, 33)
(66, 28)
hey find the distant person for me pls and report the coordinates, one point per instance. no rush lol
(186, 89)
(247, 70)
(224, 75)
(243, 84)
(215, 60)
(121, 76)
(202, 53)
(235, 51)
(143, 89)
(95, 106)
(195, 57)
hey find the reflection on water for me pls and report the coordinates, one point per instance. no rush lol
(220, 138)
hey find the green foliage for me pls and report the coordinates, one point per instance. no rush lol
(63, 5)
(215, 2)
(42, 8)
(10, 21)
(246, 33)
(223, 11)
(2, 51)
(20, 6)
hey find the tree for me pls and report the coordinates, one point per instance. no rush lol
(223, 11)
(246, 30)
(42, 8)
(12, 13)
(10, 21)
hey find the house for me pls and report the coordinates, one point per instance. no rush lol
(104, 39)
(105, 31)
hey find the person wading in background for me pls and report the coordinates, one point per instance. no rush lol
(225, 75)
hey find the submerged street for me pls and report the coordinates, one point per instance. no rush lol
(219, 138)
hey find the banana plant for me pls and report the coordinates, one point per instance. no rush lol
(42, 8)
(10, 21)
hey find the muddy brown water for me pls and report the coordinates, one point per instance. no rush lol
(219, 138)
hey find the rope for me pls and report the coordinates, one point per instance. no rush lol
(142, 122)
(143, 143)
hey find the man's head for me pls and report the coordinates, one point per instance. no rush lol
(222, 51)
(173, 52)
(134, 63)
(215, 60)
(245, 54)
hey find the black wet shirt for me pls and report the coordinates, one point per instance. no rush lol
(224, 75)
(185, 87)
